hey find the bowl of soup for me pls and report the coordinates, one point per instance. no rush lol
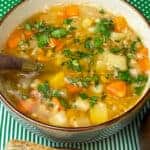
(96, 58)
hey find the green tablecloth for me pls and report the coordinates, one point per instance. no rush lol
(126, 139)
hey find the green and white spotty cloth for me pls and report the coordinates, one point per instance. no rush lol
(126, 139)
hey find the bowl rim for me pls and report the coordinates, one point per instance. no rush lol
(135, 108)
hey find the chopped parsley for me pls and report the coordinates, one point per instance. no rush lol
(100, 50)
(105, 27)
(48, 92)
(68, 21)
(125, 76)
(42, 39)
(84, 96)
(44, 89)
(64, 103)
(28, 26)
(139, 89)
(75, 55)
(115, 50)
(68, 53)
(74, 65)
(102, 11)
(90, 43)
(85, 81)
(59, 33)
(133, 46)
(93, 100)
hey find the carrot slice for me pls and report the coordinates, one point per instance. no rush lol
(28, 34)
(144, 64)
(142, 52)
(14, 39)
(119, 23)
(71, 11)
(73, 89)
(117, 88)
(56, 43)
(27, 106)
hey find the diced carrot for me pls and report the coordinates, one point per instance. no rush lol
(57, 104)
(144, 64)
(27, 106)
(41, 56)
(14, 39)
(73, 89)
(56, 43)
(119, 23)
(142, 52)
(117, 88)
(60, 12)
(71, 11)
(28, 34)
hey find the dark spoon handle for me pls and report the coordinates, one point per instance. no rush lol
(8, 62)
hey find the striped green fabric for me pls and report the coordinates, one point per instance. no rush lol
(126, 139)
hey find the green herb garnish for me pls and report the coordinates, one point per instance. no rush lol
(105, 27)
(42, 39)
(64, 103)
(93, 100)
(84, 96)
(44, 89)
(68, 21)
(138, 90)
(102, 11)
(115, 50)
(125, 76)
(59, 33)
(74, 65)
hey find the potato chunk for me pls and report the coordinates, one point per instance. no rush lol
(116, 61)
(99, 113)
(57, 81)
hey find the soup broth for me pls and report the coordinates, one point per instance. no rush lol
(96, 66)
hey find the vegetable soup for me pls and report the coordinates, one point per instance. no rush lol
(96, 66)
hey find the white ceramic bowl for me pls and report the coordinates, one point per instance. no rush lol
(116, 7)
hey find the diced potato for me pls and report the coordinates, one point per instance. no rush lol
(57, 81)
(59, 118)
(82, 104)
(58, 59)
(134, 72)
(91, 29)
(116, 61)
(109, 60)
(100, 66)
(97, 89)
(77, 118)
(117, 36)
(99, 113)
(87, 22)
